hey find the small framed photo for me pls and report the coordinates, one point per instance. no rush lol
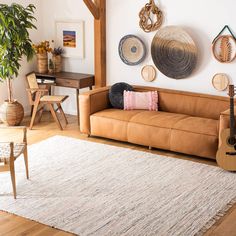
(70, 36)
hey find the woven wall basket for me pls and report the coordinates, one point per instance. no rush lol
(220, 81)
(132, 50)
(224, 49)
(148, 73)
(174, 52)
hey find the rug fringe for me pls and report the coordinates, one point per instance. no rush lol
(216, 218)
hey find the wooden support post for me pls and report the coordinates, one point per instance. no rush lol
(98, 10)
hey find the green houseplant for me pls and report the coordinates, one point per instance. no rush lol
(15, 21)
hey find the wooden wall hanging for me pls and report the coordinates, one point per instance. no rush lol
(149, 12)
(220, 82)
(224, 47)
(148, 73)
(174, 52)
(98, 10)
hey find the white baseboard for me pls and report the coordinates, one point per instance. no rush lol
(27, 111)
(71, 112)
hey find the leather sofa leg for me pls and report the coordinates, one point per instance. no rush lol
(150, 148)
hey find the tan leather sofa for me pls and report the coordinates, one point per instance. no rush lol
(186, 122)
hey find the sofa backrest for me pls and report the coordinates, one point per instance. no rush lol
(193, 104)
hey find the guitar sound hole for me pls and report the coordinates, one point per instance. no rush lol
(231, 141)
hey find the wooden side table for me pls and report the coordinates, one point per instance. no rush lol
(76, 81)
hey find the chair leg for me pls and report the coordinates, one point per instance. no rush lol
(26, 162)
(33, 117)
(62, 112)
(13, 178)
(54, 115)
(35, 110)
(40, 114)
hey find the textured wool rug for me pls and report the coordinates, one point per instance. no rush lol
(95, 189)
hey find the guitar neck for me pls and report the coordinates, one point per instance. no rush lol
(232, 120)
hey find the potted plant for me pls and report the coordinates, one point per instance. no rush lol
(42, 49)
(15, 21)
(57, 58)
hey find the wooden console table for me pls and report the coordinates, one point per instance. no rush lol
(70, 80)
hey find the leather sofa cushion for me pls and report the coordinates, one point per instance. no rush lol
(163, 119)
(158, 129)
(175, 121)
(193, 143)
(111, 123)
(157, 118)
(198, 125)
(117, 114)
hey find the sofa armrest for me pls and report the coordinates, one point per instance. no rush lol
(91, 102)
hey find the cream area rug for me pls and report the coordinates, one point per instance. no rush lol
(94, 189)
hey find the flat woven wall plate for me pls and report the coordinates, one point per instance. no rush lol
(132, 50)
(220, 82)
(148, 73)
(224, 49)
(174, 52)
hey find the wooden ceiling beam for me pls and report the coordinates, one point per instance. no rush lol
(92, 8)
(99, 10)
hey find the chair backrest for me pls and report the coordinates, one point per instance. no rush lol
(31, 81)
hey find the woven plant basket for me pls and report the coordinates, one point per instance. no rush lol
(57, 61)
(42, 62)
(11, 113)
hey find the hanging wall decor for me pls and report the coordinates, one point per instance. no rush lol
(151, 17)
(132, 50)
(220, 82)
(224, 46)
(70, 36)
(174, 52)
(148, 73)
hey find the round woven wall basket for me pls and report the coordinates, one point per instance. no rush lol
(224, 49)
(132, 50)
(148, 73)
(220, 81)
(174, 52)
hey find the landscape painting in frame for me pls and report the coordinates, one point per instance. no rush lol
(70, 36)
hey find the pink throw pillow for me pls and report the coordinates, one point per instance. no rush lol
(141, 100)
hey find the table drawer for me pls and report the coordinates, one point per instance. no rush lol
(67, 83)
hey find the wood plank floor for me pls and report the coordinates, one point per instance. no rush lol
(11, 225)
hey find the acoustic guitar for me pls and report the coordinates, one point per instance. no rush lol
(226, 154)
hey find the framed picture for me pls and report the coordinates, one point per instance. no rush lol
(70, 36)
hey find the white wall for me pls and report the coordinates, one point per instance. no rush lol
(70, 10)
(202, 19)
(19, 91)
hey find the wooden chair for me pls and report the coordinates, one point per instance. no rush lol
(9, 152)
(39, 97)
